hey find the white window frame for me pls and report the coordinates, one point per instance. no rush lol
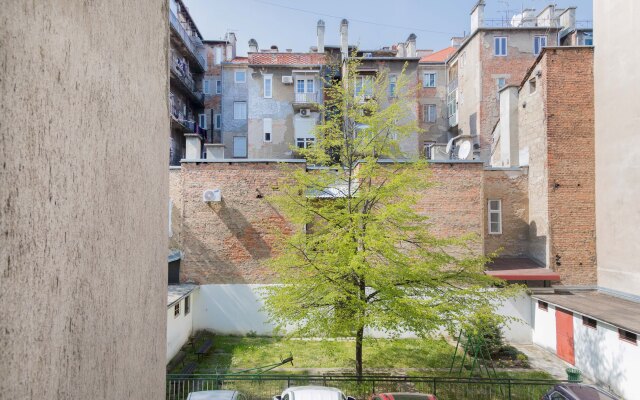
(240, 114)
(426, 82)
(393, 82)
(500, 50)
(235, 76)
(217, 55)
(218, 86)
(426, 109)
(310, 85)
(217, 121)
(267, 128)
(176, 310)
(536, 42)
(498, 82)
(306, 142)
(267, 78)
(202, 121)
(491, 212)
(205, 86)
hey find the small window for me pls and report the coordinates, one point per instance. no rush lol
(187, 305)
(429, 113)
(176, 310)
(202, 121)
(267, 129)
(500, 46)
(240, 110)
(268, 85)
(310, 86)
(218, 121)
(628, 336)
(543, 306)
(218, 55)
(393, 79)
(429, 79)
(300, 86)
(240, 76)
(206, 86)
(304, 143)
(538, 43)
(218, 87)
(589, 322)
(532, 85)
(495, 217)
(501, 82)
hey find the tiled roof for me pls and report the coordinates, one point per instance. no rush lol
(240, 60)
(438, 56)
(286, 59)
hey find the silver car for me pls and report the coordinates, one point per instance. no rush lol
(217, 395)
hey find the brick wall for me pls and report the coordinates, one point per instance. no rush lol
(571, 163)
(511, 187)
(175, 194)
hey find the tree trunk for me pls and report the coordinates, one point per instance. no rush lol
(359, 338)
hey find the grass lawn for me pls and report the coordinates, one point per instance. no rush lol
(389, 356)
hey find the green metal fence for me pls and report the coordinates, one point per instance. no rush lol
(264, 387)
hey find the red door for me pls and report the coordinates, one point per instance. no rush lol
(564, 335)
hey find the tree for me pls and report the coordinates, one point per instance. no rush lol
(367, 259)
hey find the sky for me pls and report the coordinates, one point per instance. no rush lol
(291, 24)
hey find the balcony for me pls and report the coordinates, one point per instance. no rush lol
(306, 100)
(453, 120)
(186, 39)
(181, 76)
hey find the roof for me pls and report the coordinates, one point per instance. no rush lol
(315, 393)
(612, 310)
(175, 293)
(439, 56)
(287, 59)
(520, 269)
(212, 395)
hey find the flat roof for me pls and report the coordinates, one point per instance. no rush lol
(597, 305)
(520, 269)
(175, 293)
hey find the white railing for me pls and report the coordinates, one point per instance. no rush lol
(306, 97)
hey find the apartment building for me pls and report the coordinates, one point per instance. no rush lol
(187, 65)
(234, 111)
(497, 53)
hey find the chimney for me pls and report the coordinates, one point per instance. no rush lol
(344, 38)
(231, 45)
(273, 49)
(456, 41)
(320, 32)
(401, 50)
(253, 46)
(411, 45)
(509, 148)
(477, 16)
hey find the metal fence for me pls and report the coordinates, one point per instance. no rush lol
(264, 387)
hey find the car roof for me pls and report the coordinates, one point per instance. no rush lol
(212, 395)
(584, 392)
(315, 393)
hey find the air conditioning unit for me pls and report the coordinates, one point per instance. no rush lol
(287, 80)
(212, 196)
(305, 112)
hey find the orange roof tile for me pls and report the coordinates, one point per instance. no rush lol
(286, 59)
(240, 60)
(438, 56)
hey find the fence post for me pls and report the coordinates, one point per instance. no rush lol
(434, 387)
(509, 387)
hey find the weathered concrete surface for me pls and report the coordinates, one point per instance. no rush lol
(83, 197)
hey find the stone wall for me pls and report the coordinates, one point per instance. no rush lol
(83, 194)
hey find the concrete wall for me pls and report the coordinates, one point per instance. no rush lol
(180, 327)
(175, 196)
(617, 146)
(83, 188)
(232, 92)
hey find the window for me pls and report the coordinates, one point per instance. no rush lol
(187, 305)
(538, 43)
(239, 110)
(202, 121)
(393, 79)
(543, 306)
(495, 217)
(206, 86)
(300, 86)
(429, 113)
(429, 79)
(501, 82)
(590, 322)
(218, 55)
(364, 84)
(218, 87)
(500, 46)
(310, 86)
(239, 147)
(627, 336)
(267, 125)
(304, 143)
(176, 310)
(557, 396)
(240, 76)
(532, 85)
(218, 121)
(268, 85)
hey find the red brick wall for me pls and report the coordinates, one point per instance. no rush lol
(571, 163)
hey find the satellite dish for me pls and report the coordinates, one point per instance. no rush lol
(449, 146)
(464, 150)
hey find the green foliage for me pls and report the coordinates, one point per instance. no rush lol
(368, 259)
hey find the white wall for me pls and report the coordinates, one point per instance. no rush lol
(179, 327)
(519, 330)
(544, 327)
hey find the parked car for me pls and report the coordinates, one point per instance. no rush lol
(403, 396)
(216, 395)
(312, 393)
(577, 391)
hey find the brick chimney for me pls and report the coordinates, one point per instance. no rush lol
(320, 32)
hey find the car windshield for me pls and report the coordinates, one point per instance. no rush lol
(589, 393)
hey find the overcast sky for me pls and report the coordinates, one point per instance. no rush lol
(291, 24)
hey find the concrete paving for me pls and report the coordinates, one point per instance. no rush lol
(543, 360)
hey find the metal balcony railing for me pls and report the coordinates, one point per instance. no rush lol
(306, 98)
(184, 75)
(186, 38)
